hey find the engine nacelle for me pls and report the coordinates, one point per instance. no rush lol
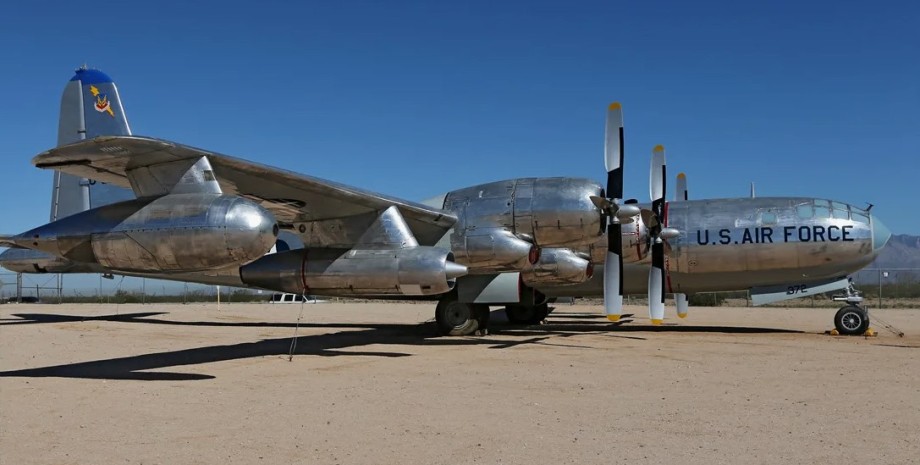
(356, 272)
(557, 267)
(554, 212)
(183, 232)
(492, 250)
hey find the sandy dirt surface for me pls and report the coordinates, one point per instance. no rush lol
(370, 384)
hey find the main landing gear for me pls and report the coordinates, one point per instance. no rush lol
(853, 318)
(526, 314)
(461, 319)
(456, 318)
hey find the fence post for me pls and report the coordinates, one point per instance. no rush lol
(879, 288)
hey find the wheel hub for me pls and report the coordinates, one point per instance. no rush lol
(458, 314)
(851, 321)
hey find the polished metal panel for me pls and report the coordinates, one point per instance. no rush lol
(363, 272)
(493, 250)
(557, 267)
(183, 176)
(36, 261)
(498, 221)
(291, 197)
(736, 244)
(554, 212)
(389, 231)
(185, 232)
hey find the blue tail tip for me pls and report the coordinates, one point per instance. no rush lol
(90, 76)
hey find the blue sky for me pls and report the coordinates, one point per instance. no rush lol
(416, 98)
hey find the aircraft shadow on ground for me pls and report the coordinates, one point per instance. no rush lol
(326, 345)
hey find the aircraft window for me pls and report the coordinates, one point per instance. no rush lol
(840, 205)
(288, 297)
(767, 218)
(857, 216)
(804, 211)
(822, 203)
(822, 212)
(841, 213)
(276, 297)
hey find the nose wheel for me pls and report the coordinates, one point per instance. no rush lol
(852, 319)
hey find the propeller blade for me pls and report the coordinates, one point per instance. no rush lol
(656, 278)
(657, 174)
(613, 284)
(613, 264)
(656, 290)
(683, 305)
(681, 193)
(613, 150)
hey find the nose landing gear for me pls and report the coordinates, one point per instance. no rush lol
(853, 318)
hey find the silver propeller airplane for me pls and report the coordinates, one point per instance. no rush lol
(140, 206)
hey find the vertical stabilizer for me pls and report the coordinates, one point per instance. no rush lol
(90, 107)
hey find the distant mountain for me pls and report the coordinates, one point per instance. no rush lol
(902, 251)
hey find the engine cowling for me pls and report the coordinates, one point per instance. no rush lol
(184, 232)
(493, 250)
(554, 212)
(557, 267)
(356, 272)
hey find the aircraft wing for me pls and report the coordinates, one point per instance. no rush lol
(323, 213)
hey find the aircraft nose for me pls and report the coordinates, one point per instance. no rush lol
(880, 234)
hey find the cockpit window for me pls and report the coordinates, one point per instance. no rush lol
(841, 210)
(822, 203)
(822, 211)
(857, 215)
(804, 211)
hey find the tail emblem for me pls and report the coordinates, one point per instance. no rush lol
(102, 102)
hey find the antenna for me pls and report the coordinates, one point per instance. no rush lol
(753, 194)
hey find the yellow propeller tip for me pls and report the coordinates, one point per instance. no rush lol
(659, 148)
(615, 106)
(681, 175)
(613, 317)
(682, 315)
(657, 322)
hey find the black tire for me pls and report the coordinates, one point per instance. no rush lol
(526, 314)
(851, 321)
(482, 315)
(458, 319)
(540, 312)
(519, 314)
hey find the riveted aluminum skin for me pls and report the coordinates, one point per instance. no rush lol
(491, 250)
(173, 233)
(739, 243)
(557, 267)
(367, 272)
(549, 212)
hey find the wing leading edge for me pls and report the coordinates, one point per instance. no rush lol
(322, 212)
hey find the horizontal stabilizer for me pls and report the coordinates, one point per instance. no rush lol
(769, 294)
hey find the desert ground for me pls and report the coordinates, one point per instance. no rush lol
(369, 383)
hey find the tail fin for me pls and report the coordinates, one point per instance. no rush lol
(90, 107)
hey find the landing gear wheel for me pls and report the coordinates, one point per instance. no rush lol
(526, 314)
(851, 320)
(461, 319)
(483, 315)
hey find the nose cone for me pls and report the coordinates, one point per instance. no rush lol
(880, 234)
(251, 230)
